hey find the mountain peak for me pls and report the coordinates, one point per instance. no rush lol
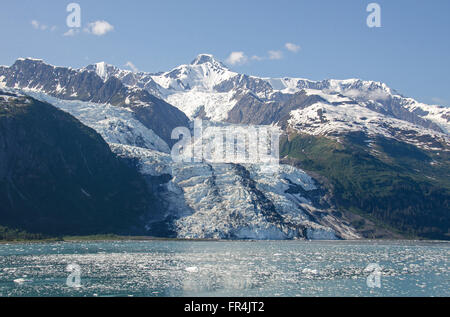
(30, 59)
(29, 62)
(203, 58)
(207, 58)
(102, 69)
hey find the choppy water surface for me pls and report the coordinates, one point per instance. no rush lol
(181, 268)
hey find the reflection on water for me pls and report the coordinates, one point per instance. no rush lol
(181, 268)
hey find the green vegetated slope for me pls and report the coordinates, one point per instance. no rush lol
(8, 234)
(395, 184)
(59, 177)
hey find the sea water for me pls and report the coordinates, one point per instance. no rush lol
(234, 268)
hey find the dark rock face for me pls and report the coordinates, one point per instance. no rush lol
(86, 85)
(252, 110)
(160, 116)
(60, 82)
(59, 177)
(396, 110)
(255, 85)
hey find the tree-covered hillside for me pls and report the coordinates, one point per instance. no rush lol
(394, 184)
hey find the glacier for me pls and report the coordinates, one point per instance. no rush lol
(211, 201)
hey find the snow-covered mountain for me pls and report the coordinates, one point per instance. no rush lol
(94, 84)
(136, 112)
(207, 88)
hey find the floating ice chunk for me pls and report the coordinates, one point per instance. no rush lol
(310, 271)
(21, 281)
(192, 269)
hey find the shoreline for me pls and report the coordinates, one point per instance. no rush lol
(117, 238)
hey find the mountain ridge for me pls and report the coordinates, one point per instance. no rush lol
(166, 84)
(389, 143)
(210, 81)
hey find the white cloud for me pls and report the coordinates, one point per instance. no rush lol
(131, 66)
(35, 24)
(71, 32)
(294, 48)
(237, 58)
(275, 55)
(256, 58)
(99, 28)
(38, 26)
(43, 27)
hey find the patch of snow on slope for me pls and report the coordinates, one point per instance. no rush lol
(438, 114)
(100, 69)
(215, 105)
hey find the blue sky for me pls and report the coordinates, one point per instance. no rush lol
(410, 52)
